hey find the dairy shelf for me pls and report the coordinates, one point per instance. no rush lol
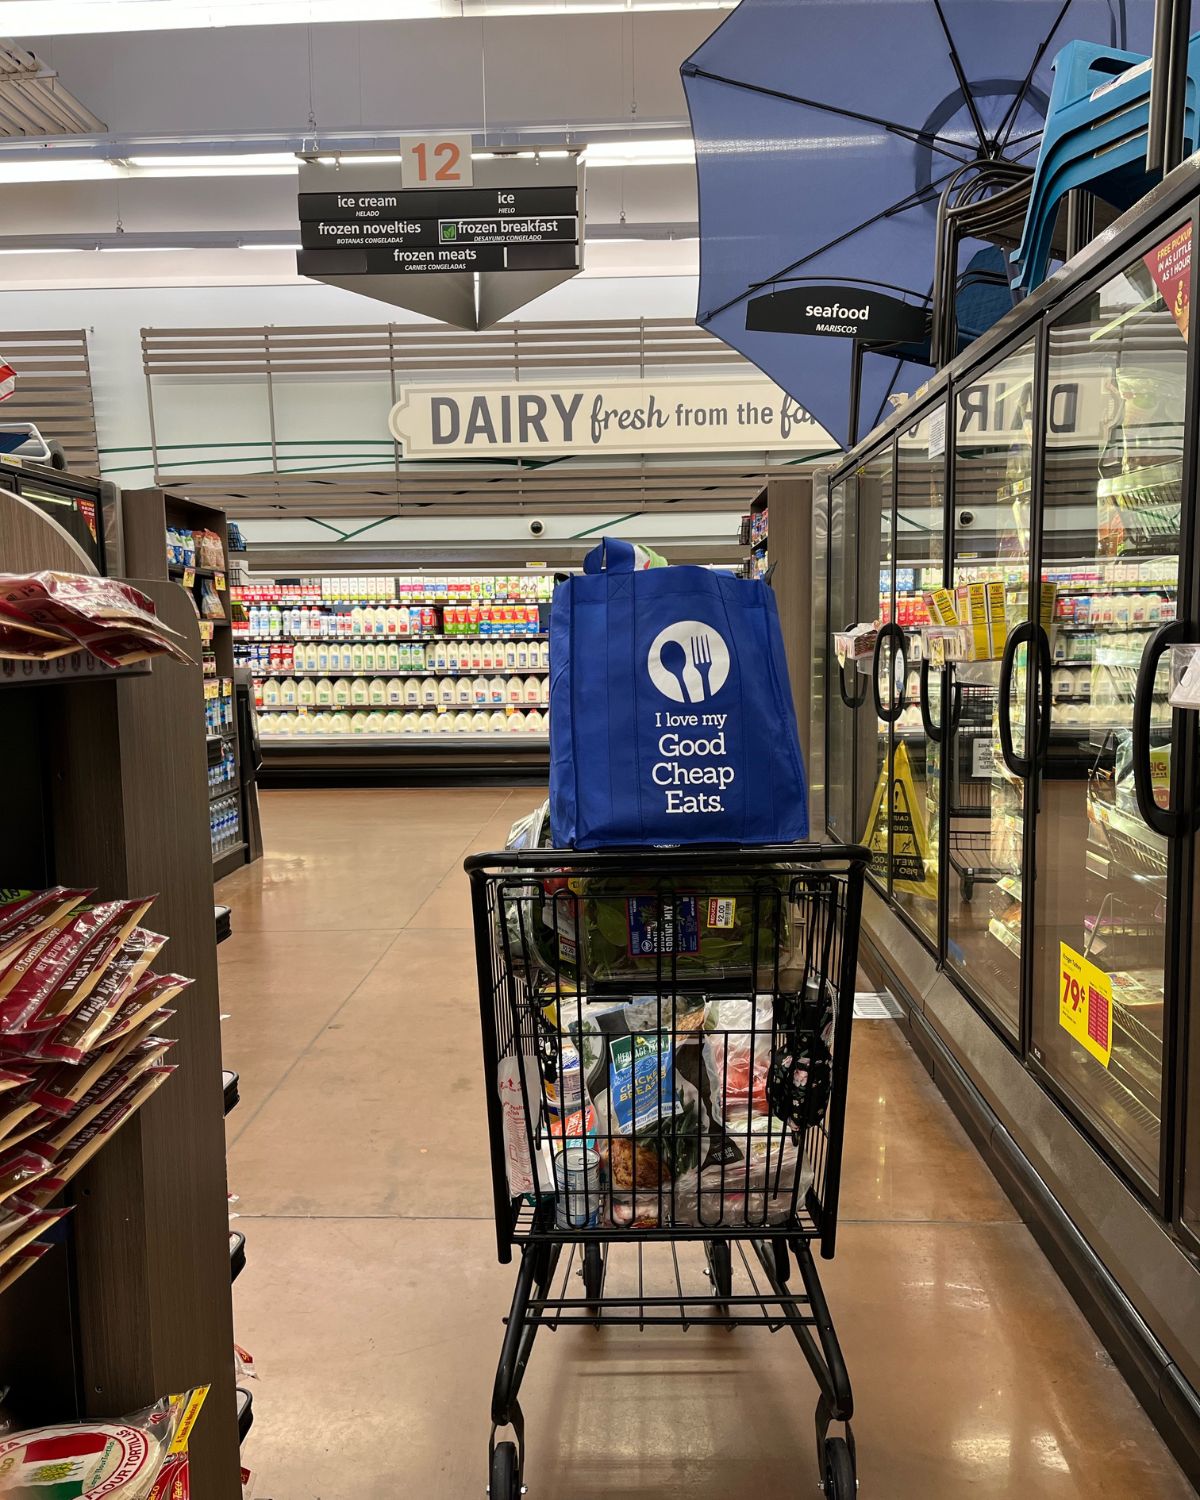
(263, 675)
(385, 638)
(515, 738)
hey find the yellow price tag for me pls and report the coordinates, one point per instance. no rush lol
(219, 580)
(189, 577)
(1085, 1003)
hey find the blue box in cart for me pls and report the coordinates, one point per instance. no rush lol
(671, 714)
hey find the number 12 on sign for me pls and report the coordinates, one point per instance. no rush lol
(1085, 1003)
(436, 161)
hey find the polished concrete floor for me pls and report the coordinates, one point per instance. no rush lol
(372, 1298)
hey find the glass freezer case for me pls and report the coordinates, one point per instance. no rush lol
(1025, 788)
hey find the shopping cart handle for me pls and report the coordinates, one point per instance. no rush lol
(698, 857)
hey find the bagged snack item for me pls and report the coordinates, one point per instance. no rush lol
(84, 1144)
(93, 1460)
(26, 913)
(89, 938)
(80, 1032)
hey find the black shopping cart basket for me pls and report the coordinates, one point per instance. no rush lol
(666, 1040)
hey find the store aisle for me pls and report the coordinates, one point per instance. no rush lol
(372, 1299)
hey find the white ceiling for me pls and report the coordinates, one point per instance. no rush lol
(568, 73)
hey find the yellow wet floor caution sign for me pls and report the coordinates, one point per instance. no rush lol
(913, 866)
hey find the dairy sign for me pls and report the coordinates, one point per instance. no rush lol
(606, 416)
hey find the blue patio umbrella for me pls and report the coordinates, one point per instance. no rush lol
(825, 132)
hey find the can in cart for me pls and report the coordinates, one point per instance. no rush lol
(577, 1188)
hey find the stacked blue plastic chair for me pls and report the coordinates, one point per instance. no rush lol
(1094, 138)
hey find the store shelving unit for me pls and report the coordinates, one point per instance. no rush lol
(104, 787)
(355, 677)
(147, 515)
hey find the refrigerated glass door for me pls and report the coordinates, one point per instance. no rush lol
(877, 595)
(845, 686)
(917, 762)
(993, 471)
(1117, 400)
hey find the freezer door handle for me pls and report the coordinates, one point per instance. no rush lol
(1163, 820)
(889, 712)
(935, 733)
(1044, 701)
(851, 700)
(1019, 765)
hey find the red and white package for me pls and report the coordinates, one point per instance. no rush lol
(32, 912)
(112, 620)
(83, 1146)
(147, 998)
(81, 1032)
(42, 969)
(58, 1090)
(137, 1061)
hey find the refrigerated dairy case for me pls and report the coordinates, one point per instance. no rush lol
(1022, 536)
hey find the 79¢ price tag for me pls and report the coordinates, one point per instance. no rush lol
(1085, 1003)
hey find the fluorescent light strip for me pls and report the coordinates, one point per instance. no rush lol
(86, 17)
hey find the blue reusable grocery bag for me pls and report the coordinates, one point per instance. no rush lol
(671, 715)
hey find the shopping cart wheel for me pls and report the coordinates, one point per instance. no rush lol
(506, 1476)
(967, 883)
(720, 1264)
(840, 1482)
(593, 1276)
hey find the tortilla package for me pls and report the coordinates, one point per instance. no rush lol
(81, 1032)
(96, 1460)
(82, 1146)
(49, 979)
(21, 1167)
(130, 1067)
(147, 998)
(58, 1090)
(24, 914)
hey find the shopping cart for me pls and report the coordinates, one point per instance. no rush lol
(666, 1040)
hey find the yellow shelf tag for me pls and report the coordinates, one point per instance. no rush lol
(1085, 1003)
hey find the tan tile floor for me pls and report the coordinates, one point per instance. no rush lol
(372, 1299)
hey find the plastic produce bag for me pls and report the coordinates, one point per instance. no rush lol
(517, 1130)
(737, 1029)
(96, 1460)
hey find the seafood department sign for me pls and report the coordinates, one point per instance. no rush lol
(608, 416)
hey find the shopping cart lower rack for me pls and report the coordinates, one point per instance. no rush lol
(666, 1039)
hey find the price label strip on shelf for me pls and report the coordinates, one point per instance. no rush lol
(219, 580)
(1085, 1003)
(189, 578)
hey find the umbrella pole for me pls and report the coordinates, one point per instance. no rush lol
(856, 365)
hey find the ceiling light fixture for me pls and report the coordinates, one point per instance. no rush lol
(86, 17)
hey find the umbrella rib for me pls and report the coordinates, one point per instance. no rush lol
(918, 137)
(1010, 114)
(902, 205)
(956, 64)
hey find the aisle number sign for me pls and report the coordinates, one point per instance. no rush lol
(1085, 1003)
(430, 161)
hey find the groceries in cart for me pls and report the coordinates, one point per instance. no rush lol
(646, 1112)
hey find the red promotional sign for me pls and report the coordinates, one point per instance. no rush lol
(1170, 266)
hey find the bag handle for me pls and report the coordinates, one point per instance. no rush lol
(613, 555)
